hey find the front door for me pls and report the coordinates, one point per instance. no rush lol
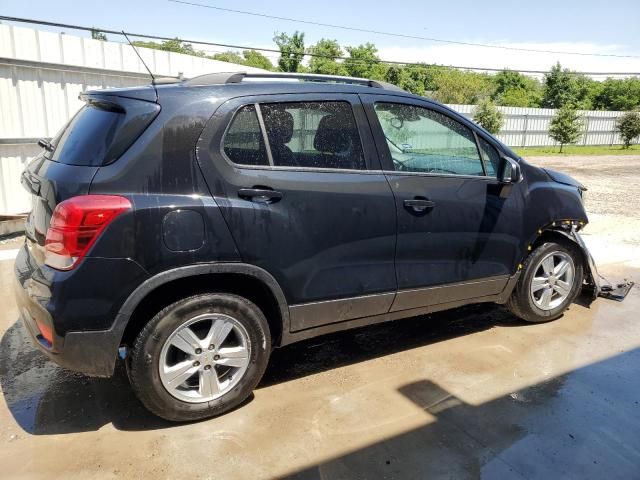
(299, 183)
(458, 237)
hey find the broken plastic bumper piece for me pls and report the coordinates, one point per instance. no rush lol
(618, 293)
(599, 289)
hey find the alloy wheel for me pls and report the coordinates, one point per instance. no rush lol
(204, 358)
(552, 281)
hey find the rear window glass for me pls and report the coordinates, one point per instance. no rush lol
(88, 136)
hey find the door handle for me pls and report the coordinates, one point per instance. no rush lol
(419, 204)
(260, 195)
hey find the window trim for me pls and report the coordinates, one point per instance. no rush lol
(272, 166)
(384, 99)
(487, 160)
(482, 160)
(263, 130)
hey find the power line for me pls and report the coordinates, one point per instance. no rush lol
(306, 54)
(401, 35)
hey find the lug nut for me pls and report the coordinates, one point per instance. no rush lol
(196, 364)
(216, 357)
(198, 351)
(207, 367)
(211, 347)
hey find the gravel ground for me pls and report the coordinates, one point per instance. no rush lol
(613, 180)
(613, 198)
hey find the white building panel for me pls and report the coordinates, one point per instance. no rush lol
(25, 44)
(49, 43)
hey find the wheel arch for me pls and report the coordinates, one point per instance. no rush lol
(249, 281)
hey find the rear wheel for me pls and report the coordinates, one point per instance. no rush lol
(200, 356)
(551, 279)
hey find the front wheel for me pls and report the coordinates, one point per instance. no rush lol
(200, 356)
(551, 279)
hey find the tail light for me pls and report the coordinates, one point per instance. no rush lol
(75, 225)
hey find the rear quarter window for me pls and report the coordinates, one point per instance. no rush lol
(88, 136)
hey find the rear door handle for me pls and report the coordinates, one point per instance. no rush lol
(260, 195)
(419, 205)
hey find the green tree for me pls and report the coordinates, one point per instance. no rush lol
(514, 89)
(562, 87)
(291, 50)
(617, 94)
(488, 116)
(250, 58)
(228, 56)
(412, 78)
(175, 45)
(324, 58)
(456, 86)
(256, 60)
(628, 125)
(364, 62)
(558, 89)
(98, 35)
(566, 126)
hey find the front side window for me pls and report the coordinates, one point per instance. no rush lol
(313, 134)
(425, 141)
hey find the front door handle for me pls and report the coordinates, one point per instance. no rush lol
(260, 195)
(419, 204)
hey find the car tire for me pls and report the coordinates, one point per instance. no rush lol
(151, 363)
(537, 296)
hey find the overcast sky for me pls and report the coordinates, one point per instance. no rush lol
(586, 26)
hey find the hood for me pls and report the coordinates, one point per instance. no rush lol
(564, 178)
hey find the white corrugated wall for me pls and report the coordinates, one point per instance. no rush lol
(41, 75)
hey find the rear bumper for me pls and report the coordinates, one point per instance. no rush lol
(92, 353)
(48, 301)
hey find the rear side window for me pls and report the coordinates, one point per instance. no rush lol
(243, 142)
(313, 135)
(102, 131)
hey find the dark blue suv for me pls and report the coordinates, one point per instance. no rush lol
(191, 227)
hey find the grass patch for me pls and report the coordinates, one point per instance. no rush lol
(577, 150)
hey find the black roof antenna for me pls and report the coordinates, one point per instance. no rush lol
(153, 79)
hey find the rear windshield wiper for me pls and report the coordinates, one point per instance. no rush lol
(46, 144)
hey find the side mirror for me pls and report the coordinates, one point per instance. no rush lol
(509, 171)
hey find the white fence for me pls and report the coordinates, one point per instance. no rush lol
(42, 73)
(529, 127)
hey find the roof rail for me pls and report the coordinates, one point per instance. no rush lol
(222, 78)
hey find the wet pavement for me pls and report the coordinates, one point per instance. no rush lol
(472, 393)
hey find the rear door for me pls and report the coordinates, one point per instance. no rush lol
(458, 231)
(299, 183)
